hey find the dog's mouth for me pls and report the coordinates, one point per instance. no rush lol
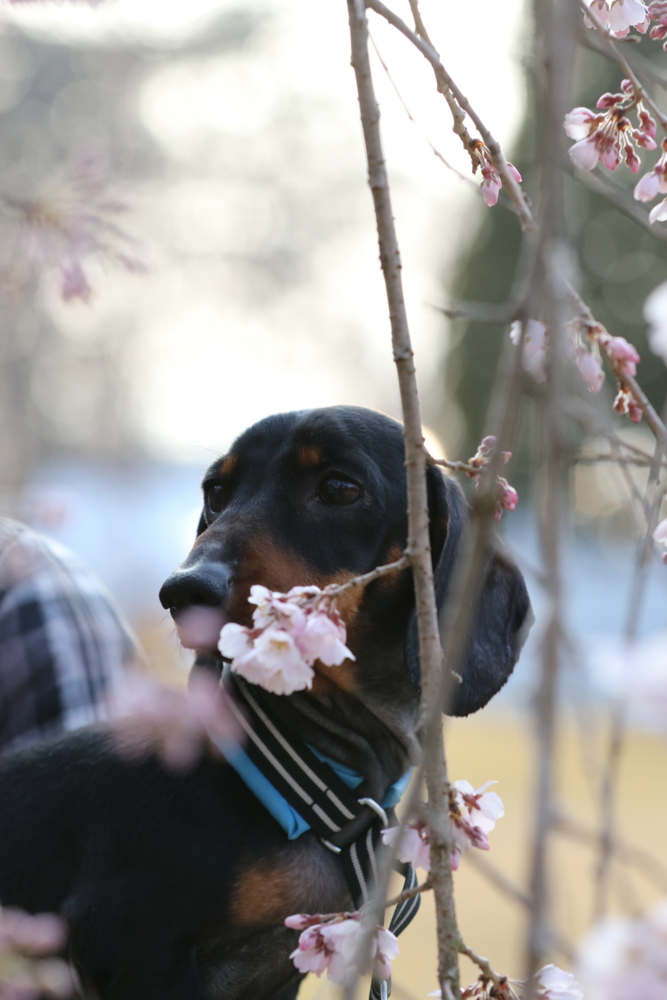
(198, 626)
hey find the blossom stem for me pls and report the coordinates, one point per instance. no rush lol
(460, 106)
(360, 581)
(408, 894)
(640, 91)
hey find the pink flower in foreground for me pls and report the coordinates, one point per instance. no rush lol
(331, 943)
(554, 984)
(533, 357)
(627, 405)
(506, 496)
(26, 941)
(626, 959)
(291, 632)
(591, 371)
(413, 846)
(178, 726)
(63, 230)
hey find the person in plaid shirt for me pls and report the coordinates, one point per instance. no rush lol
(63, 644)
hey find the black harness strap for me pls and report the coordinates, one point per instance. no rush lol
(347, 826)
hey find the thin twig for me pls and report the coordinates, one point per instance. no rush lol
(609, 40)
(502, 982)
(460, 106)
(408, 894)
(622, 199)
(360, 581)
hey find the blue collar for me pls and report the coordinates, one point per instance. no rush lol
(289, 819)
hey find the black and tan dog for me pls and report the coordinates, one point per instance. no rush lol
(176, 887)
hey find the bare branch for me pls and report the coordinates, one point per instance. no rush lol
(460, 106)
(622, 199)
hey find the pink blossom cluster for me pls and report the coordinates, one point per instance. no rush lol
(27, 944)
(472, 815)
(177, 726)
(334, 943)
(657, 11)
(591, 341)
(507, 497)
(625, 959)
(291, 631)
(550, 983)
(491, 180)
(619, 16)
(609, 135)
(63, 230)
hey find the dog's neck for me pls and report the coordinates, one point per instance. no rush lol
(374, 739)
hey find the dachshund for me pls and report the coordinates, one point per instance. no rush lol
(175, 886)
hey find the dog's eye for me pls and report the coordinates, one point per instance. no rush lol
(214, 495)
(336, 490)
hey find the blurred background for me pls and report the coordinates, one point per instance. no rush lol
(229, 133)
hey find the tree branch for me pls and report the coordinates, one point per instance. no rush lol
(460, 106)
(430, 652)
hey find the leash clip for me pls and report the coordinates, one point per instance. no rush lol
(372, 804)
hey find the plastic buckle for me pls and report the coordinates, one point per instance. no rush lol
(372, 804)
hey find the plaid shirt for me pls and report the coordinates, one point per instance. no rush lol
(62, 641)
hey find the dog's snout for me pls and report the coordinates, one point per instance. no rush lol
(203, 584)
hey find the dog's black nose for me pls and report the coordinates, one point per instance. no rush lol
(204, 583)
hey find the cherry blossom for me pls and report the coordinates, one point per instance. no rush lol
(178, 726)
(332, 942)
(609, 136)
(413, 847)
(491, 180)
(621, 15)
(533, 356)
(553, 983)
(27, 942)
(473, 814)
(63, 229)
(290, 633)
(624, 959)
(655, 312)
(507, 497)
(591, 371)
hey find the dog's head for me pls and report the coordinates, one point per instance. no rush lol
(318, 497)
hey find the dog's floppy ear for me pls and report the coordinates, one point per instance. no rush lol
(503, 609)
